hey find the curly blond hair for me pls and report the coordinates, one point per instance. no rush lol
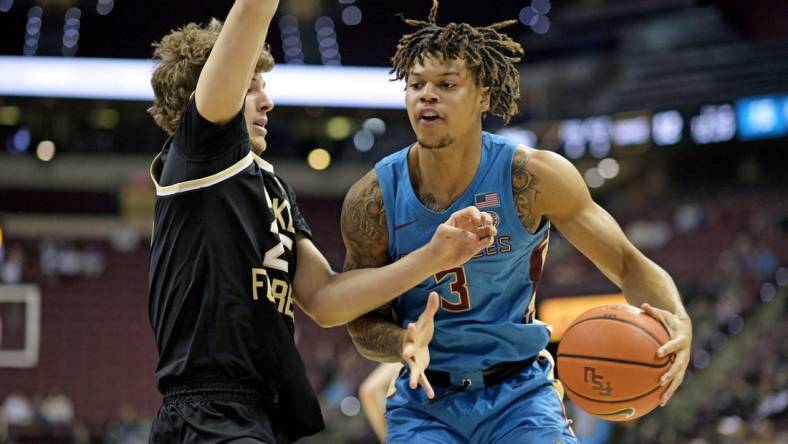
(180, 57)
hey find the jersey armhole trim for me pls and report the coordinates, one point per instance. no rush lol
(203, 182)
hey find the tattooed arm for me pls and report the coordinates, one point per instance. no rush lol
(335, 299)
(377, 334)
(524, 191)
(547, 185)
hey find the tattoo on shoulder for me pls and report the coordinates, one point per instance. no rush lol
(524, 189)
(429, 201)
(364, 226)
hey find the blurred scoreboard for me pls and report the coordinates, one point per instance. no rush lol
(746, 119)
(762, 117)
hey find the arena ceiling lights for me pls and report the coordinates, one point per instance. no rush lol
(126, 79)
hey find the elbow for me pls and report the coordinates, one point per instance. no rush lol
(367, 392)
(323, 316)
(328, 321)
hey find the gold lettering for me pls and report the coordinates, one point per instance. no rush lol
(260, 280)
(282, 294)
(505, 245)
(289, 305)
(279, 211)
(273, 257)
(279, 293)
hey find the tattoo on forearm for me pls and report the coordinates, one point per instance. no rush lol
(524, 190)
(429, 201)
(377, 336)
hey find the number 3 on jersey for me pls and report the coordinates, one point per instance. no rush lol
(459, 288)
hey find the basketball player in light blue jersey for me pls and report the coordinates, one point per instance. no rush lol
(468, 334)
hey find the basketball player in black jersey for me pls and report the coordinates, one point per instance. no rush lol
(231, 253)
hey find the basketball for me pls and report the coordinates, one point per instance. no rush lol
(607, 361)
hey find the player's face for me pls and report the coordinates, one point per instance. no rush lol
(256, 107)
(443, 101)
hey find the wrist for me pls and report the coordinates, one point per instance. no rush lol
(427, 261)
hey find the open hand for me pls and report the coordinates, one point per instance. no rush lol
(415, 346)
(680, 329)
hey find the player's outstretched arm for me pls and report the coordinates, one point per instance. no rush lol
(336, 299)
(372, 394)
(225, 78)
(555, 190)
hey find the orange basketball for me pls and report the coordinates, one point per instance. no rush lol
(607, 361)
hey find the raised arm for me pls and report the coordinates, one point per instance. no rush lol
(557, 191)
(225, 78)
(336, 299)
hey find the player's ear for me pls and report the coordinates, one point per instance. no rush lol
(485, 99)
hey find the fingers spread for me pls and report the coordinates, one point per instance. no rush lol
(432, 304)
(408, 352)
(657, 313)
(672, 346)
(427, 386)
(415, 372)
(672, 389)
(669, 375)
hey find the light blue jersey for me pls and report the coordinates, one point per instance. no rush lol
(487, 305)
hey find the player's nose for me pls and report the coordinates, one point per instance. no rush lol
(428, 94)
(264, 102)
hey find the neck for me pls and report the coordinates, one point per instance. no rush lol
(440, 176)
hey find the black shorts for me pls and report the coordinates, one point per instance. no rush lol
(215, 413)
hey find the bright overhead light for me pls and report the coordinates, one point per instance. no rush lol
(116, 79)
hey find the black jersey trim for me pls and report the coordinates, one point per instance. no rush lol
(202, 182)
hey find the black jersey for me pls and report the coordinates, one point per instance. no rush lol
(222, 263)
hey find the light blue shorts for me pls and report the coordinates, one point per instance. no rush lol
(525, 408)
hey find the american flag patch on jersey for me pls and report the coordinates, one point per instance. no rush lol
(487, 200)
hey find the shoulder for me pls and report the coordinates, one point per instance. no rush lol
(546, 168)
(364, 201)
(367, 184)
(286, 188)
(392, 165)
(552, 184)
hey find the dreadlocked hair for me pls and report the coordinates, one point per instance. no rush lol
(489, 54)
(180, 57)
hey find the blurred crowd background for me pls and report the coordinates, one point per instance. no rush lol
(674, 111)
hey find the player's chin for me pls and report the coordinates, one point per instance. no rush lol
(433, 141)
(258, 145)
